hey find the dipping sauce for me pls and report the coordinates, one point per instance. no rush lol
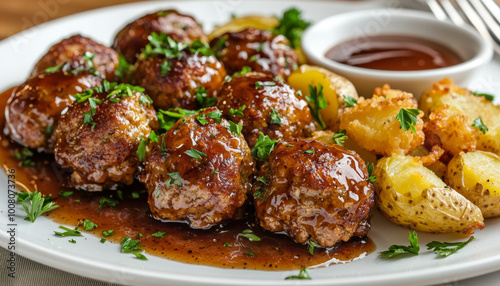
(394, 53)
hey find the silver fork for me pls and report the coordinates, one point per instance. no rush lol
(484, 15)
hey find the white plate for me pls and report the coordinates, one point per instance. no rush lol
(90, 258)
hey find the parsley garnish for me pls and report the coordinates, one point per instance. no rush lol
(489, 97)
(249, 253)
(215, 115)
(408, 118)
(478, 123)
(165, 67)
(243, 72)
(158, 234)
(193, 153)
(395, 250)
(175, 179)
(49, 129)
(263, 147)
(72, 241)
(237, 112)
(35, 205)
(303, 275)
(447, 248)
(339, 137)
(350, 101)
(311, 246)
(203, 99)
(88, 225)
(292, 26)
(259, 84)
(25, 156)
(88, 57)
(227, 244)
(235, 128)
(68, 232)
(161, 44)
(130, 245)
(167, 118)
(123, 69)
(140, 256)
(371, 177)
(253, 58)
(316, 101)
(262, 180)
(107, 233)
(141, 149)
(275, 117)
(248, 233)
(309, 152)
(64, 194)
(105, 201)
(103, 240)
(53, 69)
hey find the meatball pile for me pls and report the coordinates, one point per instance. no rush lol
(313, 191)
(200, 172)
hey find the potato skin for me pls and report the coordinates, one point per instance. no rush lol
(315, 192)
(72, 49)
(373, 125)
(214, 187)
(296, 120)
(134, 37)
(424, 204)
(103, 156)
(33, 110)
(476, 175)
(462, 101)
(178, 87)
(260, 50)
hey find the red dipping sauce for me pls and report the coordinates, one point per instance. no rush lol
(394, 53)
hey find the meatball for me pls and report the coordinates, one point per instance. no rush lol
(98, 137)
(313, 191)
(271, 107)
(258, 49)
(34, 108)
(200, 172)
(134, 37)
(178, 85)
(72, 50)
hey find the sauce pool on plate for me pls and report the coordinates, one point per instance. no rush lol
(393, 53)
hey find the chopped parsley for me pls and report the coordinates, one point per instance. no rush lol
(215, 115)
(53, 69)
(263, 147)
(408, 118)
(140, 256)
(35, 205)
(88, 225)
(478, 123)
(447, 248)
(309, 152)
(371, 177)
(193, 153)
(107, 202)
(292, 26)
(248, 233)
(175, 179)
(158, 234)
(165, 67)
(161, 44)
(234, 128)
(130, 245)
(311, 245)
(263, 180)
(316, 102)
(141, 149)
(203, 99)
(167, 118)
(227, 244)
(253, 58)
(123, 69)
(68, 232)
(489, 97)
(237, 112)
(259, 84)
(108, 233)
(350, 101)
(25, 157)
(396, 250)
(65, 194)
(49, 129)
(303, 275)
(275, 117)
(249, 253)
(88, 57)
(72, 241)
(339, 137)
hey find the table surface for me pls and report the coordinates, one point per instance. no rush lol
(18, 15)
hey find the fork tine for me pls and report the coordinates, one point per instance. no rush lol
(437, 10)
(490, 22)
(493, 7)
(452, 12)
(475, 19)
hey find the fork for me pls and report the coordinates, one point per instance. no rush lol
(484, 15)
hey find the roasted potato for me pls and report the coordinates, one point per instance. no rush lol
(334, 87)
(373, 125)
(411, 195)
(462, 102)
(438, 167)
(476, 175)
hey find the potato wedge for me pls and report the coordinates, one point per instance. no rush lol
(334, 86)
(438, 167)
(462, 101)
(411, 195)
(476, 175)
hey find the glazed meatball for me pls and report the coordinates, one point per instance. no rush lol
(258, 49)
(271, 107)
(313, 191)
(178, 84)
(72, 50)
(199, 172)
(34, 108)
(134, 37)
(99, 144)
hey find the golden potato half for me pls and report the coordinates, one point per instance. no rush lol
(411, 195)
(334, 87)
(461, 101)
(476, 175)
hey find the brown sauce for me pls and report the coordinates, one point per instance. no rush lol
(393, 52)
(180, 243)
